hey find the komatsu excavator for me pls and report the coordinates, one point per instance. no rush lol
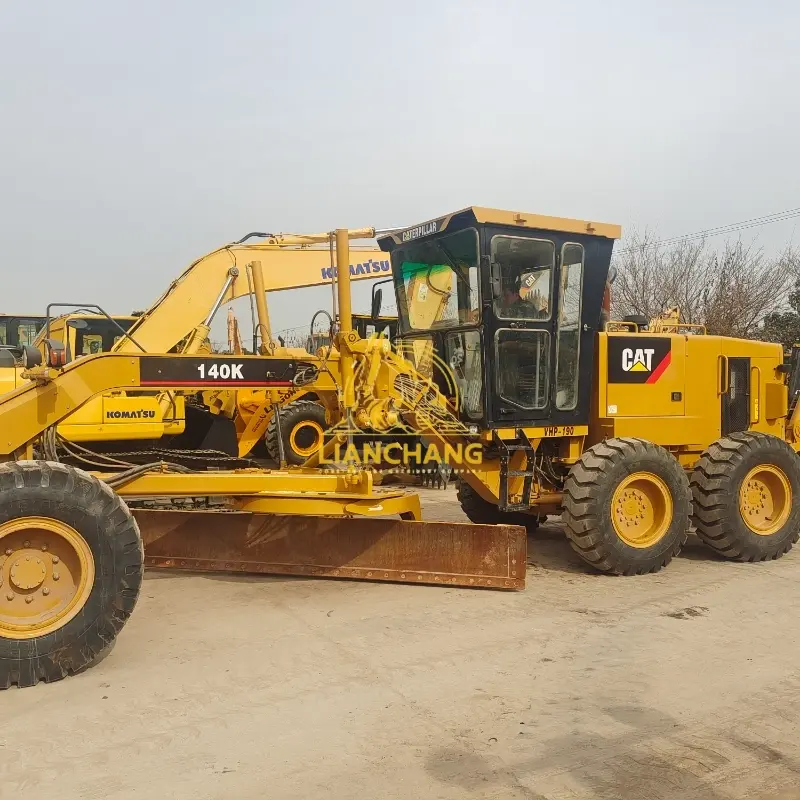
(227, 421)
(507, 366)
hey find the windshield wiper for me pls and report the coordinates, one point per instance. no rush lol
(451, 262)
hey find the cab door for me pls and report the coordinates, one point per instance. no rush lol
(521, 328)
(538, 331)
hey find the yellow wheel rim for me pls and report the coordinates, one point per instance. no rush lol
(306, 437)
(641, 509)
(765, 499)
(46, 576)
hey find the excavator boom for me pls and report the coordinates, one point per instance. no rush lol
(223, 276)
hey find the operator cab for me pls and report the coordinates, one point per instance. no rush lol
(87, 334)
(18, 331)
(501, 309)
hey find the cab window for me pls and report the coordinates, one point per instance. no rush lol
(569, 326)
(463, 357)
(27, 332)
(525, 269)
(437, 282)
(524, 371)
(91, 343)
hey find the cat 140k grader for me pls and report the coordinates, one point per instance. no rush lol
(504, 355)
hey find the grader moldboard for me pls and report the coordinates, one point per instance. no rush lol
(632, 434)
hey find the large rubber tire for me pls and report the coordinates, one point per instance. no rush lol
(76, 499)
(717, 481)
(590, 490)
(483, 512)
(294, 418)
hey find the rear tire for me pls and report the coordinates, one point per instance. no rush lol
(746, 491)
(483, 512)
(303, 427)
(627, 506)
(73, 572)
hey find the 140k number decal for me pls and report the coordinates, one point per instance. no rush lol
(164, 372)
(225, 372)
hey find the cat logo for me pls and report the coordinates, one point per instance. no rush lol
(638, 359)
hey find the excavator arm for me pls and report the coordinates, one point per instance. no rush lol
(223, 275)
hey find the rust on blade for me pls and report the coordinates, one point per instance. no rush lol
(450, 553)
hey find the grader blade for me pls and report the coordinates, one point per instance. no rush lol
(454, 554)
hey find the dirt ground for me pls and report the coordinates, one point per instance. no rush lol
(683, 684)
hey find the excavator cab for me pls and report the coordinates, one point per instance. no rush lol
(501, 311)
(85, 334)
(17, 331)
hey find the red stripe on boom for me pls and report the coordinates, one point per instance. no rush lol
(207, 382)
(659, 370)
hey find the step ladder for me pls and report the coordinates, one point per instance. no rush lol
(507, 448)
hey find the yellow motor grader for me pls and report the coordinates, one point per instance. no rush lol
(505, 367)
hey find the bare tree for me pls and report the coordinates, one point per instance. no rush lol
(730, 291)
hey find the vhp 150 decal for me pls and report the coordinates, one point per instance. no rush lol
(637, 359)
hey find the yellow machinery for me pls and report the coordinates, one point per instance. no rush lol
(631, 434)
(117, 416)
(505, 366)
(180, 321)
(17, 330)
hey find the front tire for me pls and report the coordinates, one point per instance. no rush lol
(71, 563)
(746, 491)
(627, 506)
(482, 512)
(303, 428)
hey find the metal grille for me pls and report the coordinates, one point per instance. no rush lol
(736, 401)
(427, 407)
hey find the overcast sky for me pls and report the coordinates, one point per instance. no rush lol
(136, 136)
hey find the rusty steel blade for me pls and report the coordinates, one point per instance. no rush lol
(451, 553)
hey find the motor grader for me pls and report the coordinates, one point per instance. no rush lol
(631, 435)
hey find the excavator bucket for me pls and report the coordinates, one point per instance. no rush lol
(378, 549)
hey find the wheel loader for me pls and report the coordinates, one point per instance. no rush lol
(505, 366)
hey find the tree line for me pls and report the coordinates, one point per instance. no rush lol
(734, 290)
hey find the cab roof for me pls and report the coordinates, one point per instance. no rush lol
(515, 219)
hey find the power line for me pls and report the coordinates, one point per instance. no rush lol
(755, 222)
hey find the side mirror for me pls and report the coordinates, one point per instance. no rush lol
(377, 302)
(31, 356)
(612, 274)
(495, 275)
(78, 324)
